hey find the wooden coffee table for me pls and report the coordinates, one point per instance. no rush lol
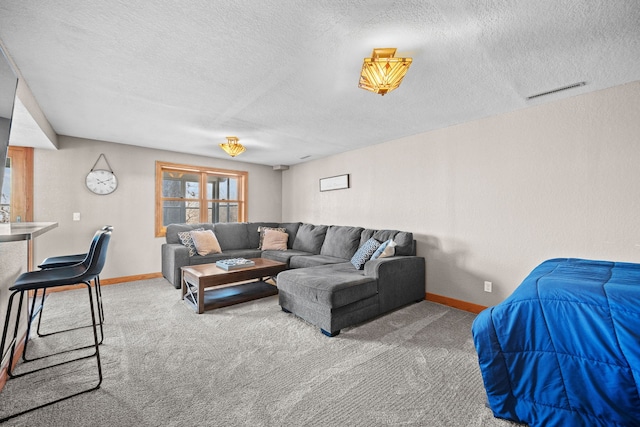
(197, 278)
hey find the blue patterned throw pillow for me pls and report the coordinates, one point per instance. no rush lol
(364, 253)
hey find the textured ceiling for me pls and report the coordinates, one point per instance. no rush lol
(282, 75)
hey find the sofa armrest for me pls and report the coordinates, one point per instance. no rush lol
(401, 280)
(174, 256)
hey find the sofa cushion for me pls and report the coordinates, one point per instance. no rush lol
(232, 235)
(283, 256)
(205, 242)
(309, 238)
(313, 260)
(174, 229)
(341, 241)
(364, 253)
(403, 239)
(292, 230)
(253, 229)
(329, 285)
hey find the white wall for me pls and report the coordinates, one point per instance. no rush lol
(491, 199)
(59, 190)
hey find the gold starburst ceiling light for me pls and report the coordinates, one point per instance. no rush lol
(233, 147)
(383, 72)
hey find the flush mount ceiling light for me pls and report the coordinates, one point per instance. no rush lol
(383, 72)
(232, 147)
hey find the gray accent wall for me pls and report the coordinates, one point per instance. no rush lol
(491, 199)
(59, 191)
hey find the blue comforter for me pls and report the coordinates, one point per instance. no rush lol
(564, 348)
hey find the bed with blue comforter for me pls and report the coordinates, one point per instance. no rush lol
(564, 348)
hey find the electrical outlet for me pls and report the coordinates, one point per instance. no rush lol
(76, 216)
(487, 286)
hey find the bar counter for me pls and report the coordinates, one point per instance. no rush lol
(16, 257)
(24, 230)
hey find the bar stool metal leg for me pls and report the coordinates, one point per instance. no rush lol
(5, 330)
(30, 315)
(84, 272)
(100, 311)
(13, 348)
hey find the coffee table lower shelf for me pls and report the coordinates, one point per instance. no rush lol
(205, 286)
(231, 295)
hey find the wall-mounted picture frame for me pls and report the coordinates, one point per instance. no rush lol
(339, 182)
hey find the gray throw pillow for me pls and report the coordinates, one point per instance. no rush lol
(309, 238)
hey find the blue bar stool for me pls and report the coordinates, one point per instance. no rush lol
(67, 261)
(84, 272)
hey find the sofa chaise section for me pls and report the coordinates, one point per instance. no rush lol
(336, 296)
(330, 296)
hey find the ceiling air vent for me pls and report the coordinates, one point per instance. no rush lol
(560, 89)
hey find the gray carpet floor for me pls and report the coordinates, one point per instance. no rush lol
(251, 365)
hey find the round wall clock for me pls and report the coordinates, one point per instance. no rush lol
(101, 181)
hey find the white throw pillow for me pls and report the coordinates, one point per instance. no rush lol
(205, 242)
(263, 230)
(388, 251)
(275, 240)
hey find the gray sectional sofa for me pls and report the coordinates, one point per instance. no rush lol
(321, 285)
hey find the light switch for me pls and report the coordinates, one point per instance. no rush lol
(76, 216)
